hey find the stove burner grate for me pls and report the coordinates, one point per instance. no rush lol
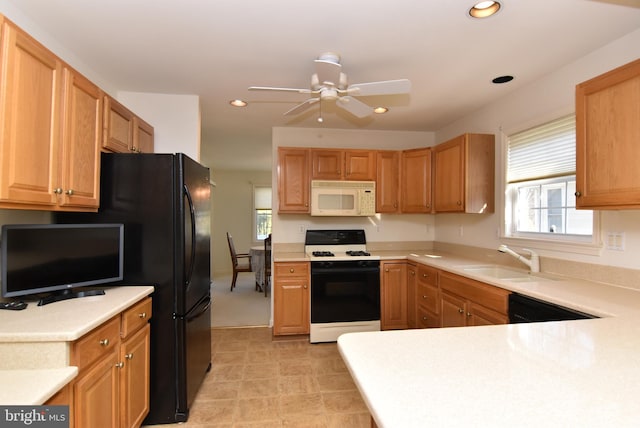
(358, 253)
(322, 254)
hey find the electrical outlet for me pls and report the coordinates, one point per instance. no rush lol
(615, 241)
(301, 228)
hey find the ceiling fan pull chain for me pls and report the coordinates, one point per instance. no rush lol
(320, 119)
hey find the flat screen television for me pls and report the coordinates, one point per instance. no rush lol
(56, 259)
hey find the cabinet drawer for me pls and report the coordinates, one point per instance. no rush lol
(427, 296)
(136, 317)
(427, 319)
(96, 344)
(427, 275)
(291, 270)
(478, 292)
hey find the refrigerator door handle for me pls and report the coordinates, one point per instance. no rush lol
(192, 213)
(205, 305)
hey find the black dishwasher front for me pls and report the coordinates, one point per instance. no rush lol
(524, 309)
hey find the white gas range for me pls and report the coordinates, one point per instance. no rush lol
(345, 284)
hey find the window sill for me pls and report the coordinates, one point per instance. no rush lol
(585, 248)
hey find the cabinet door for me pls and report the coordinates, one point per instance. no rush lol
(607, 136)
(293, 180)
(291, 306)
(118, 127)
(96, 395)
(143, 135)
(453, 310)
(388, 181)
(393, 303)
(416, 181)
(81, 136)
(480, 315)
(134, 378)
(30, 96)
(449, 164)
(360, 165)
(326, 164)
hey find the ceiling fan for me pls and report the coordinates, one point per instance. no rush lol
(329, 83)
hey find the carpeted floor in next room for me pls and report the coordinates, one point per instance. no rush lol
(258, 381)
(244, 306)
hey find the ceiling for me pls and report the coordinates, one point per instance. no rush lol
(216, 49)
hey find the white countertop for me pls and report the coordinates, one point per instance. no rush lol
(558, 374)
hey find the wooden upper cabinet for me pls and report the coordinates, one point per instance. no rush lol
(416, 181)
(388, 181)
(464, 174)
(293, 180)
(82, 133)
(360, 165)
(327, 164)
(607, 140)
(31, 97)
(336, 164)
(143, 136)
(118, 127)
(50, 127)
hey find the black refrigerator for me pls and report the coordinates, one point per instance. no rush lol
(163, 200)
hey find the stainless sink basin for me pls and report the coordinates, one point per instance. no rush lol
(503, 273)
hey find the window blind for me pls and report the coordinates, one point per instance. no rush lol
(262, 197)
(545, 151)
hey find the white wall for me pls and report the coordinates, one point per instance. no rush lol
(290, 228)
(175, 120)
(543, 100)
(232, 211)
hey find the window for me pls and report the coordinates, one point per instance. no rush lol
(541, 184)
(262, 212)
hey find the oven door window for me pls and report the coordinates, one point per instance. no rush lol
(345, 294)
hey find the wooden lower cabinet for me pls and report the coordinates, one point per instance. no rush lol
(466, 302)
(112, 387)
(291, 298)
(394, 297)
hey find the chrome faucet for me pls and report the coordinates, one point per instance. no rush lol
(533, 262)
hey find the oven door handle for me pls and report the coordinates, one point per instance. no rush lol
(351, 270)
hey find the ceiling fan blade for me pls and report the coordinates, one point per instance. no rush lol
(328, 72)
(269, 88)
(386, 87)
(301, 107)
(354, 106)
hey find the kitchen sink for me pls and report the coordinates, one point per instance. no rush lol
(503, 273)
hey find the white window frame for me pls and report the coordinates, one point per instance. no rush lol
(565, 243)
(254, 222)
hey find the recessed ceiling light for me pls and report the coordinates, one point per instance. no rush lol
(502, 79)
(484, 9)
(238, 103)
(380, 110)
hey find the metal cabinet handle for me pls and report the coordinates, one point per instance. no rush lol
(305, 286)
(69, 192)
(57, 191)
(104, 342)
(120, 365)
(424, 297)
(425, 275)
(129, 356)
(460, 311)
(459, 202)
(142, 315)
(468, 314)
(291, 270)
(578, 194)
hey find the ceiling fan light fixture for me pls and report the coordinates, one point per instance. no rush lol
(238, 103)
(484, 9)
(380, 110)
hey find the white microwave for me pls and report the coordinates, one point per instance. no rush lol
(343, 198)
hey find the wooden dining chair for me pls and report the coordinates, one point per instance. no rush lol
(241, 261)
(267, 264)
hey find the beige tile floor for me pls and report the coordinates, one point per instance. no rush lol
(257, 381)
